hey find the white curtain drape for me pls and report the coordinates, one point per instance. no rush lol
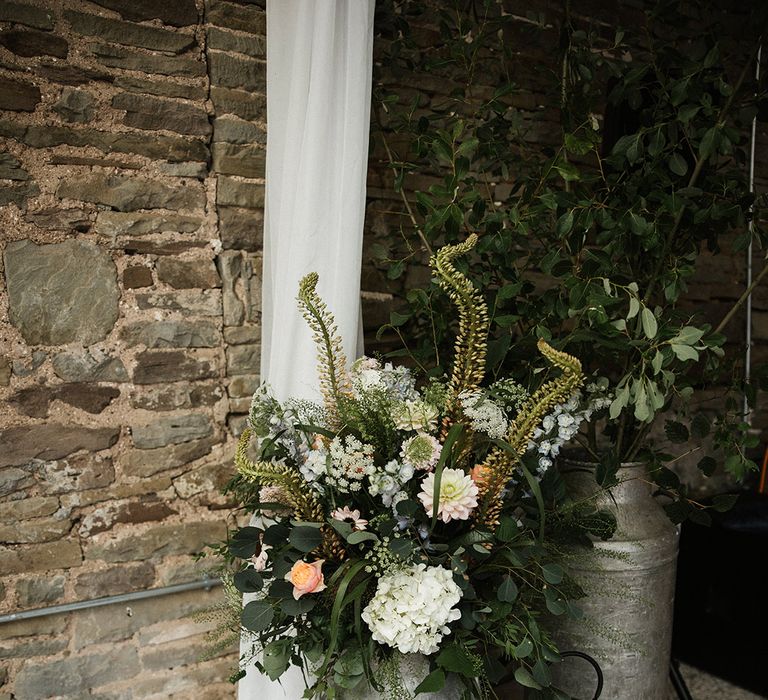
(319, 64)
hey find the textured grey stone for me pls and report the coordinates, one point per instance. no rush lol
(75, 105)
(142, 462)
(205, 303)
(172, 334)
(240, 102)
(118, 32)
(171, 431)
(184, 65)
(231, 159)
(35, 401)
(75, 676)
(62, 159)
(250, 45)
(188, 274)
(157, 366)
(163, 245)
(231, 129)
(39, 557)
(198, 170)
(178, 13)
(230, 265)
(35, 530)
(31, 43)
(162, 88)
(105, 517)
(89, 366)
(115, 580)
(61, 293)
(33, 592)
(241, 229)
(243, 386)
(235, 193)
(5, 371)
(234, 72)
(18, 96)
(71, 75)
(29, 507)
(12, 480)
(130, 193)
(155, 113)
(227, 14)
(174, 396)
(240, 335)
(10, 168)
(18, 194)
(60, 219)
(21, 445)
(25, 368)
(25, 648)
(23, 13)
(111, 223)
(78, 473)
(243, 359)
(137, 276)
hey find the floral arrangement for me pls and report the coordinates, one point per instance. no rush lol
(398, 519)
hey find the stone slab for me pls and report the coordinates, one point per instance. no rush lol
(188, 274)
(179, 13)
(50, 441)
(148, 462)
(155, 113)
(235, 72)
(89, 366)
(184, 65)
(31, 43)
(172, 334)
(159, 366)
(63, 554)
(18, 96)
(171, 430)
(27, 14)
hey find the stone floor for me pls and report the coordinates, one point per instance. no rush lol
(706, 687)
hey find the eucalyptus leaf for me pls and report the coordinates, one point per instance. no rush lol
(257, 615)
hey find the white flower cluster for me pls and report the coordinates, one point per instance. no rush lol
(315, 467)
(368, 374)
(486, 415)
(564, 422)
(270, 421)
(388, 483)
(412, 608)
(351, 462)
(415, 415)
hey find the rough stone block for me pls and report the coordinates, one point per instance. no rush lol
(23, 13)
(237, 193)
(243, 386)
(104, 517)
(247, 19)
(141, 487)
(115, 580)
(18, 96)
(205, 303)
(50, 441)
(243, 359)
(232, 159)
(18, 194)
(131, 193)
(12, 480)
(5, 371)
(75, 676)
(147, 462)
(244, 104)
(155, 113)
(54, 624)
(158, 541)
(178, 13)
(251, 45)
(172, 334)
(118, 32)
(61, 293)
(113, 223)
(35, 530)
(240, 335)
(34, 592)
(233, 72)
(63, 554)
(89, 366)
(137, 276)
(172, 430)
(35, 401)
(29, 507)
(209, 478)
(237, 424)
(75, 105)
(185, 65)
(230, 264)
(79, 473)
(173, 396)
(71, 75)
(25, 648)
(60, 219)
(229, 129)
(160, 366)
(162, 88)
(241, 405)
(31, 43)
(27, 367)
(161, 245)
(188, 274)
(10, 168)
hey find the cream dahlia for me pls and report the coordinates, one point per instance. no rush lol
(351, 516)
(458, 495)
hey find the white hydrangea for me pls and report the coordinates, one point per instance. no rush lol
(351, 462)
(486, 416)
(387, 484)
(412, 608)
(315, 466)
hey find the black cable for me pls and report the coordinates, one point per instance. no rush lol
(594, 664)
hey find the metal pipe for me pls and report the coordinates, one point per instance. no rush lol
(748, 338)
(207, 584)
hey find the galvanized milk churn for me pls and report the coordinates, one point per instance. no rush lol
(630, 585)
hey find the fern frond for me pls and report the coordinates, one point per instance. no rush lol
(298, 494)
(500, 464)
(472, 338)
(332, 363)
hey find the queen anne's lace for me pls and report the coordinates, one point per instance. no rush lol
(412, 608)
(486, 415)
(351, 462)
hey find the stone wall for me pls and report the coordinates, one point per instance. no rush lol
(131, 191)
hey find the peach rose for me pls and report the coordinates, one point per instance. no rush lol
(306, 578)
(479, 474)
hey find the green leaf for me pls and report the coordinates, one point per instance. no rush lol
(362, 536)
(707, 465)
(305, 539)
(687, 112)
(564, 224)
(724, 502)
(676, 431)
(293, 607)
(507, 591)
(276, 535)
(397, 319)
(687, 335)
(524, 649)
(433, 683)
(700, 425)
(455, 659)
(507, 530)
(245, 542)
(277, 657)
(257, 615)
(648, 320)
(708, 142)
(248, 581)
(678, 165)
(553, 573)
(684, 352)
(634, 307)
(523, 677)
(658, 360)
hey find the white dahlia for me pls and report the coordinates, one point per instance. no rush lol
(412, 608)
(458, 495)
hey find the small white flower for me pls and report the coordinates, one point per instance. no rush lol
(351, 516)
(422, 451)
